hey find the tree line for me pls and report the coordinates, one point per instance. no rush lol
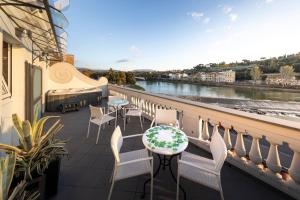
(113, 76)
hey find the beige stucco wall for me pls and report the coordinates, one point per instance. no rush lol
(16, 103)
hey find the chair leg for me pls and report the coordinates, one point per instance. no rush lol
(88, 132)
(112, 186)
(124, 121)
(151, 189)
(98, 134)
(221, 190)
(141, 122)
(178, 180)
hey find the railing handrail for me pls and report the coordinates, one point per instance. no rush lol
(263, 118)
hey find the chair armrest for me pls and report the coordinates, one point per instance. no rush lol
(134, 161)
(131, 136)
(198, 167)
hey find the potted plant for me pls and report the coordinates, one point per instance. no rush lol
(37, 151)
(7, 166)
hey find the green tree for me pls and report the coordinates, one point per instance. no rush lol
(130, 78)
(287, 73)
(255, 73)
(121, 78)
(110, 75)
(273, 66)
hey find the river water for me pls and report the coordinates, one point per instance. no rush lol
(187, 89)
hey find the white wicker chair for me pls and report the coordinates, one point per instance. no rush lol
(129, 164)
(166, 117)
(98, 117)
(202, 170)
(134, 112)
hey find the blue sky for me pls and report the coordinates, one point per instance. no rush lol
(178, 34)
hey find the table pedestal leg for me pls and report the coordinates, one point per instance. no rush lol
(164, 162)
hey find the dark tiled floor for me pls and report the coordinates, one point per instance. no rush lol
(85, 173)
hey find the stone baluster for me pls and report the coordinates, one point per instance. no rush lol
(146, 107)
(273, 160)
(200, 128)
(227, 138)
(294, 170)
(205, 132)
(153, 110)
(240, 145)
(255, 154)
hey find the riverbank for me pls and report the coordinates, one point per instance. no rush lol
(244, 84)
(279, 109)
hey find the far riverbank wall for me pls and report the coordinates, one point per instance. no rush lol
(288, 110)
(243, 84)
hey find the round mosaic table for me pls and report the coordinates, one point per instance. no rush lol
(167, 141)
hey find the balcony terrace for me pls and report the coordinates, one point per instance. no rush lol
(85, 174)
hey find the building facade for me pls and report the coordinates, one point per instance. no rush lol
(218, 77)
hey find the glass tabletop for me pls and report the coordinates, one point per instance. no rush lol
(118, 102)
(165, 140)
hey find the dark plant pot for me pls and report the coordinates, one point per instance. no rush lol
(37, 184)
(52, 177)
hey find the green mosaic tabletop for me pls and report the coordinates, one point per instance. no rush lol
(165, 140)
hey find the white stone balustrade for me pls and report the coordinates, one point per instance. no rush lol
(276, 132)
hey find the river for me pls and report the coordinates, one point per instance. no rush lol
(244, 93)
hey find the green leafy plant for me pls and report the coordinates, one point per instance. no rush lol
(38, 147)
(7, 166)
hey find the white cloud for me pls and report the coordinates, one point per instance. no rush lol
(233, 17)
(227, 9)
(206, 20)
(268, 1)
(209, 30)
(196, 15)
(135, 50)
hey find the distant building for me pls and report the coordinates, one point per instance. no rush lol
(178, 75)
(219, 77)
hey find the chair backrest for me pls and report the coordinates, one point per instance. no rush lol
(96, 112)
(164, 116)
(116, 143)
(218, 149)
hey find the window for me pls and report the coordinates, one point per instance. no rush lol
(6, 71)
